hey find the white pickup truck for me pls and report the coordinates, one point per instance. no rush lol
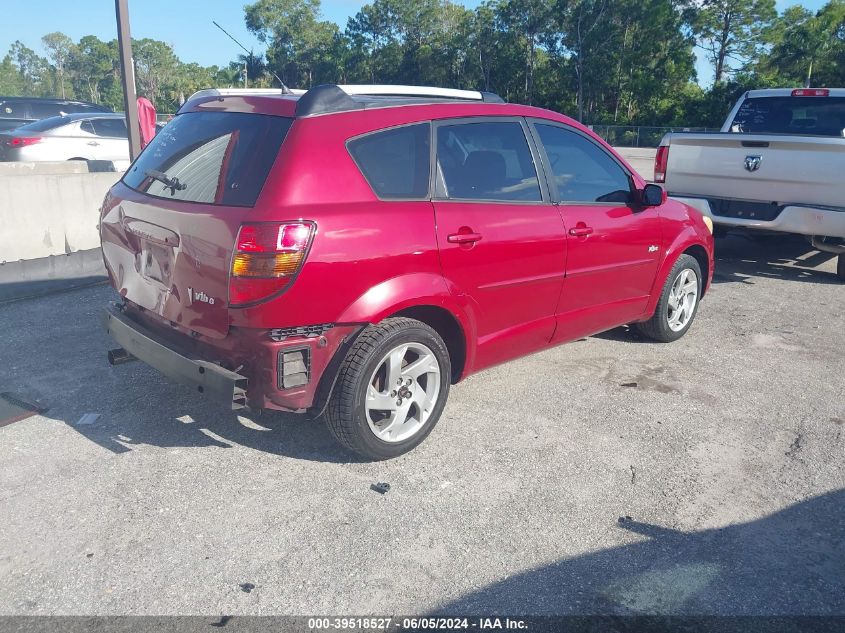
(778, 164)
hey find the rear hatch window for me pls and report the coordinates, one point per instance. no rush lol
(218, 158)
(811, 116)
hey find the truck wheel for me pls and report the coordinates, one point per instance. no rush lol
(391, 389)
(840, 266)
(678, 302)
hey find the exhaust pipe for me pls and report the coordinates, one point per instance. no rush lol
(119, 356)
(820, 244)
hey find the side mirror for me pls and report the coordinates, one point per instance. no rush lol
(652, 196)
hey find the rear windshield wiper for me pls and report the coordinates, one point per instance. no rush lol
(169, 182)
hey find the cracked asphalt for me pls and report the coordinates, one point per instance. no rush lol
(611, 475)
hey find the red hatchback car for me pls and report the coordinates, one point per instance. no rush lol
(353, 251)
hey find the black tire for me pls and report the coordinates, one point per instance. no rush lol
(840, 267)
(345, 414)
(657, 327)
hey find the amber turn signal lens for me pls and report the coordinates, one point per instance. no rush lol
(266, 264)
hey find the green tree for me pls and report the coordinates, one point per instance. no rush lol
(31, 69)
(59, 48)
(731, 32)
(10, 78)
(95, 70)
(156, 68)
(807, 46)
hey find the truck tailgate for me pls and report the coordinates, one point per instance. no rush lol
(790, 169)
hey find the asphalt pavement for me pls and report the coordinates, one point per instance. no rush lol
(610, 475)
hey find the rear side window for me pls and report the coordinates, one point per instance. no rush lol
(813, 116)
(39, 110)
(12, 110)
(112, 128)
(395, 162)
(487, 161)
(218, 158)
(582, 171)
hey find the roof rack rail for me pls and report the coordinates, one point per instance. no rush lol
(226, 92)
(328, 98)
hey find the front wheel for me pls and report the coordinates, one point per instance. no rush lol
(678, 302)
(391, 389)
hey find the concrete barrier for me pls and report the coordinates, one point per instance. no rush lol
(28, 169)
(50, 214)
(49, 238)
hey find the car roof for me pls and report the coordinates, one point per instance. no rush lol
(54, 100)
(331, 99)
(76, 116)
(787, 92)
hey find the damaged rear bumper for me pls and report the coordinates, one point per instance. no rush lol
(202, 376)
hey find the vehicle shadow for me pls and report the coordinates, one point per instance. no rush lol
(791, 562)
(740, 257)
(176, 417)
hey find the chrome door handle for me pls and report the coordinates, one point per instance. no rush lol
(581, 231)
(93, 143)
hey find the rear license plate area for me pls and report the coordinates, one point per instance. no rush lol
(157, 262)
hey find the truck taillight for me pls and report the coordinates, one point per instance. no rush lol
(811, 92)
(661, 160)
(267, 257)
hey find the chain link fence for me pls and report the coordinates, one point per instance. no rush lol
(640, 135)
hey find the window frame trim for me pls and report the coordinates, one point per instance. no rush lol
(539, 167)
(547, 165)
(427, 197)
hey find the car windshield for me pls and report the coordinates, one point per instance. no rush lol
(813, 116)
(45, 124)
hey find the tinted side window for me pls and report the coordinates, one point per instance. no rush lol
(395, 162)
(112, 128)
(487, 161)
(12, 110)
(86, 126)
(582, 171)
(39, 110)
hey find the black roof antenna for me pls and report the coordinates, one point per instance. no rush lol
(285, 89)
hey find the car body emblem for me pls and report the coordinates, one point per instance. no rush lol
(752, 162)
(199, 295)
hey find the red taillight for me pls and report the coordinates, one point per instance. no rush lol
(811, 92)
(267, 256)
(661, 160)
(22, 141)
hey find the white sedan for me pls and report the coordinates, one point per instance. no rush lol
(83, 136)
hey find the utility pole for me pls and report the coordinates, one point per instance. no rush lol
(127, 67)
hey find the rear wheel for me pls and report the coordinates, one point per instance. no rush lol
(391, 389)
(678, 302)
(840, 266)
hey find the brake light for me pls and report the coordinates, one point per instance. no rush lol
(811, 92)
(22, 141)
(661, 160)
(267, 257)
